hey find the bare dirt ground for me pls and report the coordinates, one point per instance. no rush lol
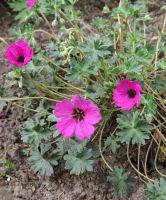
(25, 185)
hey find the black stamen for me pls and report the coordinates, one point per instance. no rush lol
(78, 114)
(20, 59)
(131, 93)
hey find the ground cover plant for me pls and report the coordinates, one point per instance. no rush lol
(90, 93)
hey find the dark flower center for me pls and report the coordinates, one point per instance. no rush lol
(20, 59)
(131, 93)
(78, 114)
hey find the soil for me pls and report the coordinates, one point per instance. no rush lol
(24, 184)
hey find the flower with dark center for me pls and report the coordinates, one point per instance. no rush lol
(77, 117)
(20, 59)
(78, 114)
(19, 53)
(127, 94)
(131, 93)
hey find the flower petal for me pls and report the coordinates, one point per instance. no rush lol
(120, 95)
(84, 130)
(66, 127)
(64, 109)
(17, 49)
(92, 115)
(31, 3)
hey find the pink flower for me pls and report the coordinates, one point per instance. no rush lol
(77, 117)
(19, 53)
(31, 3)
(127, 94)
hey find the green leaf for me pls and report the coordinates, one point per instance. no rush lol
(133, 128)
(18, 5)
(42, 162)
(163, 8)
(111, 142)
(33, 132)
(2, 172)
(55, 132)
(160, 84)
(2, 105)
(128, 10)
(106, 9)
(150, 105)
(42, 109)
(9, 164)
(95, 91)
(161, 64)
(156, 190)
(2, 91)
(64, 145)
(6, 167)
(51, 118)
(15, 77)
(96, 47)
(100, 22)
(123, 183)
(80, 70)
(79, 162)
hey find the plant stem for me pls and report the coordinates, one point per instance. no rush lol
(157, 46)
(74, 25)
(24, 98)
(49, 25)
(128, 157)
(144, 27)
(146, 157)
(3, 40)
(68, 84)
(120, 21)
(101, 153)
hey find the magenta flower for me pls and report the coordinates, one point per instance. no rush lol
(31, 3)
(77, 117)
(127, 94)
(19, 53)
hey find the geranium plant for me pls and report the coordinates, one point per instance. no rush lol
(90, 89)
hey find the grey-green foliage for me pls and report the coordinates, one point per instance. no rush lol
(96, 47)
(63, 145)
(42, 160)
(2, 105)
(127, 10)
(95, 91)
(159, 84)
(47, 7)
(20, 6)
(34, 132)
(133, 128)
(135, 60)
(78, 163)
(149, 103)
(111, 143)
(150, 106)
(94, 50)
(80, 70)
(123, 182)
(100, 22)
(39, 128)
(156, 190)
(14, 77)
(79, 158)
